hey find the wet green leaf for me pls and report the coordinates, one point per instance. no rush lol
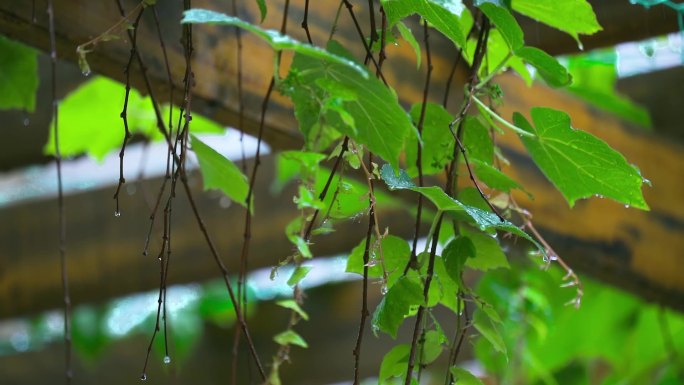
(219, 172)
(488, 253)
(274, 38)
(571, 16)
(434, 344)
(395, 252)
(379, 122)
(290, 337)
(477, 141)
(579, 164)
(19, 75)
(447, 16)
(397, 304)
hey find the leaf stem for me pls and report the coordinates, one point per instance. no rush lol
(501, 120)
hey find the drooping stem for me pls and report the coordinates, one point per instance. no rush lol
(68, 370)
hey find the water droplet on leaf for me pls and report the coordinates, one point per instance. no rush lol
(167, 360)
(384, 289)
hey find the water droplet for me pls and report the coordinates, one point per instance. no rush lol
(569, 284)
(626, 206)
(143, 377)
(648, 182)
(167, 360)
(384, 289)
(26, 122)
(580, 45)
(159, 258)
(117, 213)
(545, 259)
(87, 72)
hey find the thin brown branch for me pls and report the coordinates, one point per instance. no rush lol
(68, 369)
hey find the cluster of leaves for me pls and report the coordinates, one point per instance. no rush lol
(335, 97)
(345, 113)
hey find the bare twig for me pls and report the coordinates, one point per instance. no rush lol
(68, 370)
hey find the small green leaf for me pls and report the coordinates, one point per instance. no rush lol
(395, 251)
(433, 346)
(19, 75)
(218, 172)
(262, 9)
(394, 363)
(553, 73)
(477, 141)
(407, 35)
(274, 38)
(397, 304)
(464, 377)
(437, 140)
(379, 121)
(447, 16)
(489, 330)
(488, 253)
(298, 274)
(293, 305)
(579, 164)
(455, 255)
(290, 337)
(493, 177)
(506, 24)
(571, 16)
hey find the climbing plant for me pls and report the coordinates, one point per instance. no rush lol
(361, 149)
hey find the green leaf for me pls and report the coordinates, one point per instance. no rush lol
(571, 16)
(293, 305)
(379, 122)
(274, 38)
(101, 100)
(407, 35)
(447, 286)
(291, 164)
(464, 377)
(290, 337)
(437, 140)
(489, 330)
(262, 9)
(395, 251)
(477, 141)
(577, 163)
(433, 346)
(397, 304)
(455, 255)
(506, 24)
(218, 172)
(553, 73)
(19, 75)
(299, 273)
(493, 177)
(394, 363)
(488, 253)
(447, 16)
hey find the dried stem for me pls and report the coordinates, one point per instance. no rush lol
(124, 111)
(364, 299)
(68, 370)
